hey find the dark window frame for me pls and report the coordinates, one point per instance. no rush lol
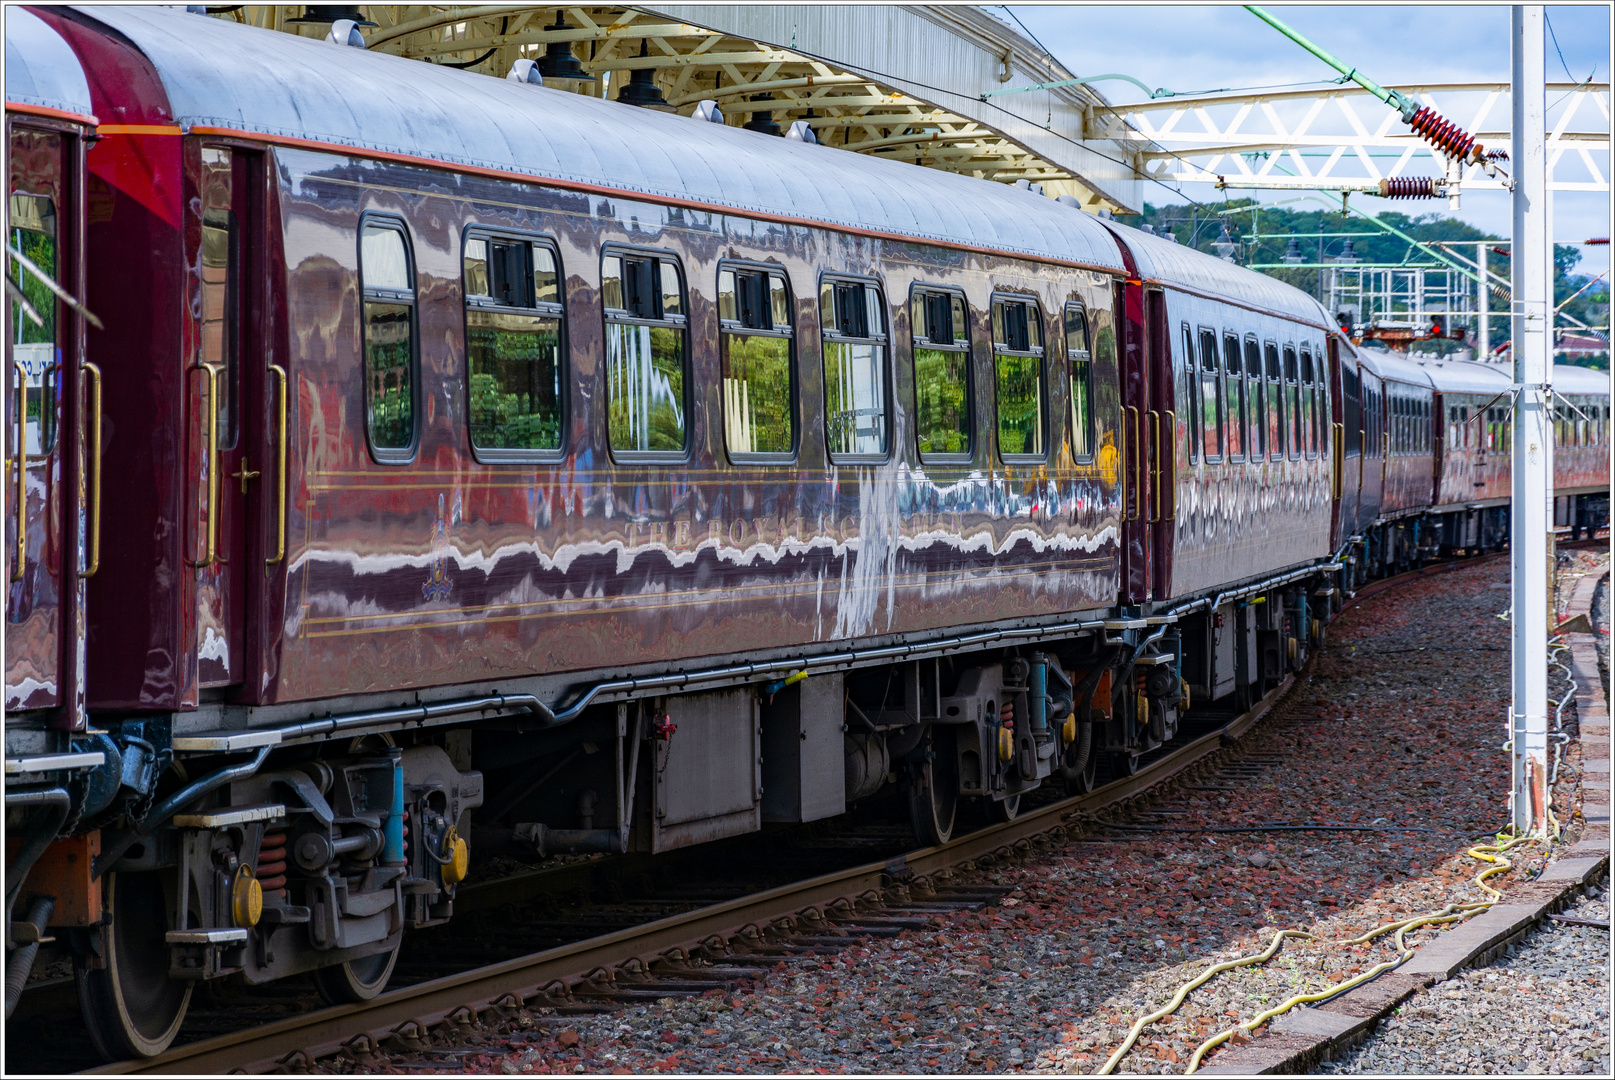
(1191, 377)
(1219, 399)
(768, 270)
(1293, 446)
(1234, 388)
(505, 456)
(622, 316)
(1035, 316)
(830, 334)
(391, 455)
(1093, 427)
(922, 289)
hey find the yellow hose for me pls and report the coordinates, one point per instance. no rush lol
(1492, 853)
(1189, 987)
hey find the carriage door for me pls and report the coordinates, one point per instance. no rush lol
(43, 586)
(229, 378)
(1162, 428)
(1136, 443)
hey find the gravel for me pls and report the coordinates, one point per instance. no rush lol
(1543, 1008)
(1400, 724)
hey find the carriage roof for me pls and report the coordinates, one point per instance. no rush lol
(227, 75)
(42, 70)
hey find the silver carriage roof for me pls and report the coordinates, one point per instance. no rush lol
(1183, 266)
(1570, 379)
(1393, 366)
(224, 74)
(41, 69)
(1467, 376)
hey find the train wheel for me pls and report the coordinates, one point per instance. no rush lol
(933, 791)
(1123, 764)
(353, 981)
(1006, 809)
(132, 1008)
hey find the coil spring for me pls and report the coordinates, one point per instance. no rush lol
(1408, 187)
(1445, 135)
(271, 869)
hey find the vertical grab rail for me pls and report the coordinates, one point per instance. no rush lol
(1172, 418)
(1362, 462)
(93, 529)
(1155, 472)
(1339, 460)
(1121, 463)
(1138, 472)
(282, 389)
(21, 458)
(210, 544)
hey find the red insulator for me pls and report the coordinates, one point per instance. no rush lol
(1444, 135)
(1408, 187)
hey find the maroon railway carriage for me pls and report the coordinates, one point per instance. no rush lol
(491, 464)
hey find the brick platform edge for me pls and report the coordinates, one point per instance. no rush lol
(1303, 1038)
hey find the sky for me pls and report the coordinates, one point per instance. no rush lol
(1188, 48)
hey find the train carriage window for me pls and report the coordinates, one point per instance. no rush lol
(1256, 408)
(1234, 406)
(220, 284)
(514, 347)
(647, 355)
(1292, 402)
(387, 278)
(1192, 392)
(853, 326)
(1210, 400)
(1081, 361)
(1275, 400)
(1353, 399)
(759, 393)
(940, 332)
(1018, 370)
(35, 355)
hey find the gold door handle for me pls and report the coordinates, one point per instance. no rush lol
(210, 546)
(93, 528)
(1155, 473)
(1172, 440)
(282, 388)
(1138, 475)
(244, 474)
(22, 471)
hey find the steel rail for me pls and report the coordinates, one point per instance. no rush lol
(326, 1031)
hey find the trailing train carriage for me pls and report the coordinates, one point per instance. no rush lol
(456, 440)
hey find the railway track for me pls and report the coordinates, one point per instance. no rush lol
(711, 947)
(716, 945)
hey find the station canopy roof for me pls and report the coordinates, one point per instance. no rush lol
(901, 83)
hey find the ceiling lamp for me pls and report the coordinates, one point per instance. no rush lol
(762, 121)
(558, 61)
(326, 14)
(642, 89)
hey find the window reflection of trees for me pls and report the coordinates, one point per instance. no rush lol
(645, 375)
(855, 397)
(515, 380)
(757, 394)
(942, 412)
